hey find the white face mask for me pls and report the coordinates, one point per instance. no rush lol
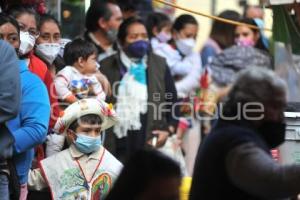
(48, 51)
(186, 46)
(164, 37)
(27, 43)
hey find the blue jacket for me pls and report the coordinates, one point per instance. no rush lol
(29, 128)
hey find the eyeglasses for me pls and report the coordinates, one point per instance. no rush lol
(32, 31)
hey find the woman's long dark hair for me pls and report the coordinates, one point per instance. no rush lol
(223, 33)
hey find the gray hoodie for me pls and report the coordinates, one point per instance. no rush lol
(9, 95)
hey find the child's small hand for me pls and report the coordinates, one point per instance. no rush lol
(70, 99)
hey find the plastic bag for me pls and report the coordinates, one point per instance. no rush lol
(173, 150)
(288, 68)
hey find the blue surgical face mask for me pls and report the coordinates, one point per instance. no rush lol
(138, 49)
(87, 144)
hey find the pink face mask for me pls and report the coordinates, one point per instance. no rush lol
(163, 37)
(245, 42)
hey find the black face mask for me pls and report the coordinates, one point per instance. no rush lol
(273, 133)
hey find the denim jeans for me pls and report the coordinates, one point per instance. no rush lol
(4, 187)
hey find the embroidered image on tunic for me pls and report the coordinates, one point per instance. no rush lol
(72, 183)
(101, 186)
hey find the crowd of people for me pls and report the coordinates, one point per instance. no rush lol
(91, 117)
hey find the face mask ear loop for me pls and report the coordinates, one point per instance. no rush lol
(37, 35)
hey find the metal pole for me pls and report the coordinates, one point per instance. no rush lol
(59, 11)
(213, 7)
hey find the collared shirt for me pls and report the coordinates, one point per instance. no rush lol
(102, 53)
(88, 163)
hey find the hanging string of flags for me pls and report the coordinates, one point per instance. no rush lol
(210, 16)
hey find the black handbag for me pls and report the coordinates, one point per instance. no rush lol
(14, 185)
(6, 143)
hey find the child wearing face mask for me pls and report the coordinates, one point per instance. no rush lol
(86, 170)
(78, 79)
(159, 29)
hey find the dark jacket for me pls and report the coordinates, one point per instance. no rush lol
(10, 93)
(210, 178)
(100, 50)
(159, 83)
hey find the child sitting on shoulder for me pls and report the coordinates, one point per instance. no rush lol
(78, 79)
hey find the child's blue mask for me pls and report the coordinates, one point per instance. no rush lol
(87, 144)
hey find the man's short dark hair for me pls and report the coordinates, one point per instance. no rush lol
(90, 119)
(98, 9)
(78, 48)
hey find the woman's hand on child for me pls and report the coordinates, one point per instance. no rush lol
(104, 82)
